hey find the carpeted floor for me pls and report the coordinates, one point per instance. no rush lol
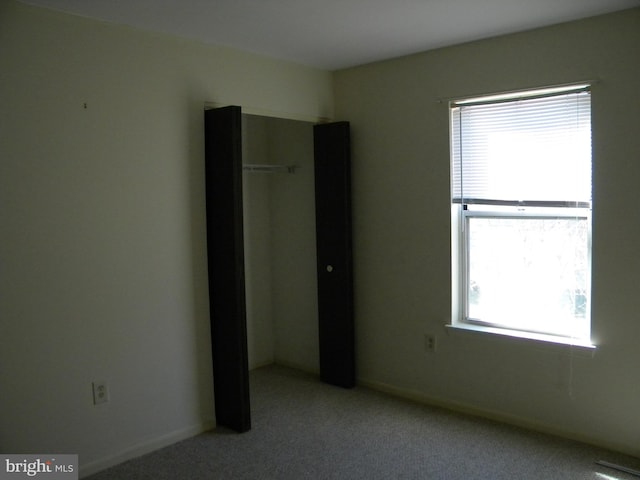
(304, 429)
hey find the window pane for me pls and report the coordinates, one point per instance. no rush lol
(535, 149)
(529, 273)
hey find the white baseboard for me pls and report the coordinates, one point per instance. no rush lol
(255, 366)
(143, 448)
(297, 366)
(495, 415)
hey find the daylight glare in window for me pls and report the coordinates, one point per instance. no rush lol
(521, 198)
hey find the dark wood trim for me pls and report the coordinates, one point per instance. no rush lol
(334, 253)
(225, 252)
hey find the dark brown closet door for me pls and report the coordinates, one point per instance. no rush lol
(334, 258)
(225, 251)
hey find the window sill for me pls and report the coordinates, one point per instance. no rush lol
(536, 339)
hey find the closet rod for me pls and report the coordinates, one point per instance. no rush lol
(263, 168)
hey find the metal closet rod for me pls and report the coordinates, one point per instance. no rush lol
(264, 168)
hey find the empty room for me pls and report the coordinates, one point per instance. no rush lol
(492, 157)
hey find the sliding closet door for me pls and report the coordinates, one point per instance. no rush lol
(225, 250)
(334, 260)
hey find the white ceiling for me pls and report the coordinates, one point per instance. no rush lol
(334, 34)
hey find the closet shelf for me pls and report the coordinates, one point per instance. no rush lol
(264, 168)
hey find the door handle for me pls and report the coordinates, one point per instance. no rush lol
(329, 268)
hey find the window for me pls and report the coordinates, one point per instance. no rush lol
(521, 212)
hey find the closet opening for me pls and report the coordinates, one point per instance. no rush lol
(279, 242)
(278, 207)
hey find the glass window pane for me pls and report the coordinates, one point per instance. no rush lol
(529, 273)
(535, 149)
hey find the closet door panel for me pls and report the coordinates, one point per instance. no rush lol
(334, 254)
(225, 251)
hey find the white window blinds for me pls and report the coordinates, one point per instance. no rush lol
(532, 150)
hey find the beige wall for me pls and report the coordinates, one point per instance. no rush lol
(258, 252)
(280, 250)
(293, 237)
(402, 231)
(102, 242)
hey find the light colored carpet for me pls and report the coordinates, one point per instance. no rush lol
(304, 429)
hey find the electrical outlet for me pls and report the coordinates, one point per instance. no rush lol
(429, 342)
(100, 393)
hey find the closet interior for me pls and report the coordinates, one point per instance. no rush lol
(279, 242)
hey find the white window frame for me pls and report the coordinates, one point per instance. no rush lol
(460, 215)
